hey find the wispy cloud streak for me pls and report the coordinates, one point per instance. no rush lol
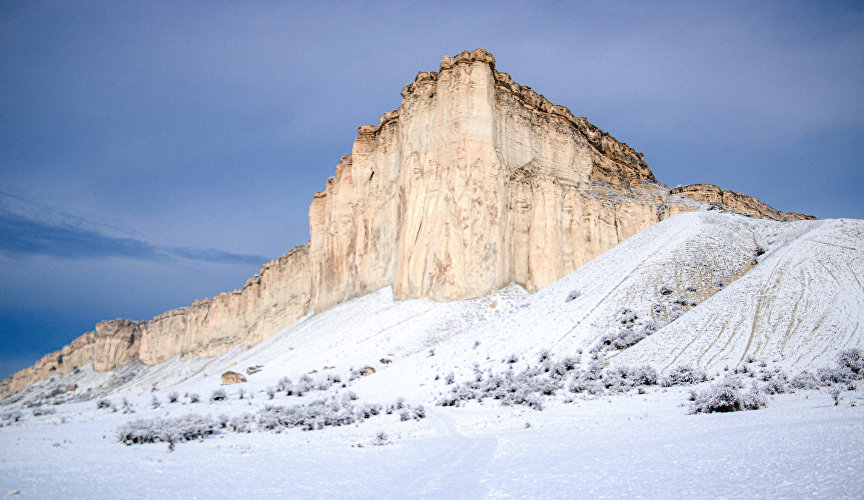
(21, 236)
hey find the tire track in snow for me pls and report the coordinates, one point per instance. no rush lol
(793, 324)
(453, 468)
(662, 245)
(410, 318)
(770, 282)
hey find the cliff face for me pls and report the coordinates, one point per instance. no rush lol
(268, 302)
(473, 183)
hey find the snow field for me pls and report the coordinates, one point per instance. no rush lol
(707, 289)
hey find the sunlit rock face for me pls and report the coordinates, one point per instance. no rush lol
(473, 183)
(736, 202)
(268, 302)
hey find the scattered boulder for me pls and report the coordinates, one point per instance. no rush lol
(253, 369)
(367, 370)
(230, 377)
(386, 361)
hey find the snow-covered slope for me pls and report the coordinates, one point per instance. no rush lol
(703, 288)
(707, 288)
(800, 305)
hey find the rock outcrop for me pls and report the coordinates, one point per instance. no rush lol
(473, 183)
(736, 202)
(230, 377)
(268, 302)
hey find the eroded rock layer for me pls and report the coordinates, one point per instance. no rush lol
(473, 183)
(736, 202)
(269, 301)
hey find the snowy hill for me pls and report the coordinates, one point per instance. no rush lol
(705, 288)
(800, 305)
(716, 291)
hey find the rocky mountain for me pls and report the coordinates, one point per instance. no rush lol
(473, 183)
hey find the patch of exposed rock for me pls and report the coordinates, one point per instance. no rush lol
(736, 202)
(473, 183)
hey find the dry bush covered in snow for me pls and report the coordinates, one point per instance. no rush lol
(728, 395)
(166, 430)
(546, 378)
(683, 375)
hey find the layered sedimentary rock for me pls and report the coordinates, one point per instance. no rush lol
(473, 183)
(269, 301)
(736, 202)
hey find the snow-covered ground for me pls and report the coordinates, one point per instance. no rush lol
(631, 445)
(715, 291)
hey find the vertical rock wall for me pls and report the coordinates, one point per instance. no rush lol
(474, 182)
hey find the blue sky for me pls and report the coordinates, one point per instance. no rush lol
(155, 153)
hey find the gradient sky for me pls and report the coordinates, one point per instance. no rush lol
(153, 153)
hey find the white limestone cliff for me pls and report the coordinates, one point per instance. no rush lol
(473, 183)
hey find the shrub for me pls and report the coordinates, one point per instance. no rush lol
(835, 392)
(57, 391)
(544, 355)
(284, 384)
(335, 411)
(242, 423)
(776, 382)
(12, 416)
(409, 413)
(631, 331)
(194, 398)
(851, 360)
(727, 396)
(836, 375)
(381, 439)
(308, 384)
(683, 375)
(392, 407)
(222, 421)
(218, 395)
(625, 378)
(595, 369)
(39, 411)
(805, 380)
(155, 402)
(104, 404)
(173, 397)
(166, 430)
(527, 388)
(510, 388)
